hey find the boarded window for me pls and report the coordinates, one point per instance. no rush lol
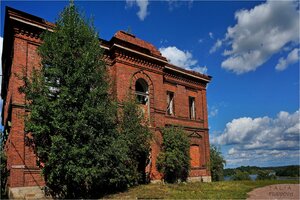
(195, 156)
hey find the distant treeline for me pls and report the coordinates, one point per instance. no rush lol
(291, 170)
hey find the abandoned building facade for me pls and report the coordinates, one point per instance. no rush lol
(169, 95)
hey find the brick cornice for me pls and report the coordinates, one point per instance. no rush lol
(173, 78)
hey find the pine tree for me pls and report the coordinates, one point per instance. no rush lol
(72, 118)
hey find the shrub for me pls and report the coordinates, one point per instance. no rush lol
(217, 163)
(265, 175)
(4, 174)
(135, 132)
(174, 159)
(240, 175)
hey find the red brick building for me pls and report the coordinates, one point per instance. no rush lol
(170, 95)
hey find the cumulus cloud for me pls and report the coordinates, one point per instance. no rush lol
(260, 33)
(142, 4)
(291, 58)
(180, 58)
(211, 35)
(258, 139)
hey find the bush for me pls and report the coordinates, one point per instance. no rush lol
(174, 159)
(240, 176)
(265, 175)
(4, 174)
(135, 132)
(217, 163)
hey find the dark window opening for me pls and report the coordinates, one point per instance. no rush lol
(141, 91)
(192, 108)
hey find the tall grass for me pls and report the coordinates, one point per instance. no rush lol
(214, 190)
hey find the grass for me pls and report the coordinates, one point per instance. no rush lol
(215, 190)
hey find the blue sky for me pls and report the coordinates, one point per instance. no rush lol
(251, 48)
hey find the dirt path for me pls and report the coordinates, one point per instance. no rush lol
(279, 191)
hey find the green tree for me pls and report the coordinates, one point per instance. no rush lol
(217, 163)
(241, 175)
(3, 168)
(174, 159)
(265, 175)
(134, 130)
(72, 118)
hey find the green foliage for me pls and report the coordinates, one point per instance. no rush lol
(291, 170)
(174, 159)
(217, 163)
(3, 168)
(240, 176)
(265, 175)
(72, 118)
(134, 130)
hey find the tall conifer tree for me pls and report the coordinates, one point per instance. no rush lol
(72, 119)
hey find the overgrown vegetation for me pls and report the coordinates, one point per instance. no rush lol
(72, 123)
(214, 190)
(240, 176)
(135, 132)
(291, 170)
(265, 175)
(174, 159)
(217, 163)
(3, 168)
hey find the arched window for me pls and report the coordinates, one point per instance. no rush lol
(142, 91)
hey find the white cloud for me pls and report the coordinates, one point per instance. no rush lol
(213, 111)
(261, 139)
(291, 58)
(216, 46)
(211, 35)
(173, 4)
(180, 58)
(142, 4)
(202, 70)
(259, 33)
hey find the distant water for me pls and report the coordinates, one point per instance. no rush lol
(254, 176)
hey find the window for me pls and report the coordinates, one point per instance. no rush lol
(141, 91)
(170, 103)
(192, 107)
(195, 156)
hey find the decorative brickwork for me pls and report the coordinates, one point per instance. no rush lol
(129, 59)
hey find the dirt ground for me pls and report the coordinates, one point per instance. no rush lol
(280, 191)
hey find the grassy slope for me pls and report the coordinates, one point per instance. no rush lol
(215, 190)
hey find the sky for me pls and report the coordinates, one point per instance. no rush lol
(250, 48)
